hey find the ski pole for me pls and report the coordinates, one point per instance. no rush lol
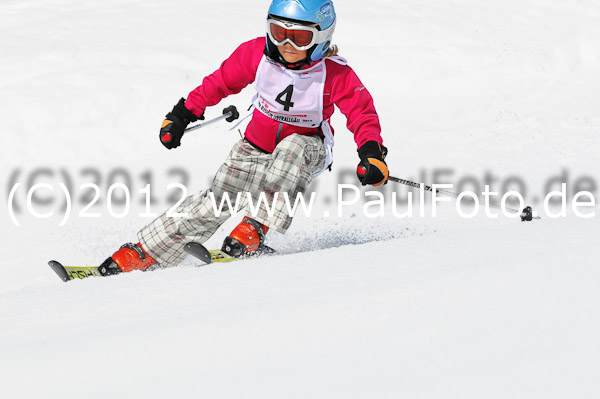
(526, 213)
(229, 114)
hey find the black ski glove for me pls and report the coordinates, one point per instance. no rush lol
(175, 123)
(372, 168)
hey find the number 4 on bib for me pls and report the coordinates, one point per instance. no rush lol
(287, 102)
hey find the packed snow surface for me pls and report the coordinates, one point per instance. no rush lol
(502, 92)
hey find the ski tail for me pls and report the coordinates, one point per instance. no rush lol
(199, 252)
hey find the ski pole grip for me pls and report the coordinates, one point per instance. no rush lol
(229, 114)
(234, 114)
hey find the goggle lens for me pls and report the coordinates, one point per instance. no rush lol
(300, 37)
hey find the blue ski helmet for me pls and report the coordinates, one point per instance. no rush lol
(319, 12)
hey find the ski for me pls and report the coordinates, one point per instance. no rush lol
(218, 256)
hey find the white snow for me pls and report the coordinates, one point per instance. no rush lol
(423, 307)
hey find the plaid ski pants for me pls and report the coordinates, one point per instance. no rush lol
(289, 169)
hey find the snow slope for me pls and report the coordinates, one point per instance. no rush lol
(431, 307)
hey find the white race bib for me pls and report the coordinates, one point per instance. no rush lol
(290, 96)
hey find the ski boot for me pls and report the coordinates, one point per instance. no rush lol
(247, 239)
(128, 258)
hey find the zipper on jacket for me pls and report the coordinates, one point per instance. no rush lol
(279, 129)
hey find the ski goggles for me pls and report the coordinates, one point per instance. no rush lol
(302, 37)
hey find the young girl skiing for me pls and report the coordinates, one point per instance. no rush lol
(288, 142)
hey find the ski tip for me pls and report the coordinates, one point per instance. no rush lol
(198, 251)
(59, 269)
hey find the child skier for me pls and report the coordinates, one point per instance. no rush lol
(288, 142)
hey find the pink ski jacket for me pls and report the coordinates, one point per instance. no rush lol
(342, 88)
